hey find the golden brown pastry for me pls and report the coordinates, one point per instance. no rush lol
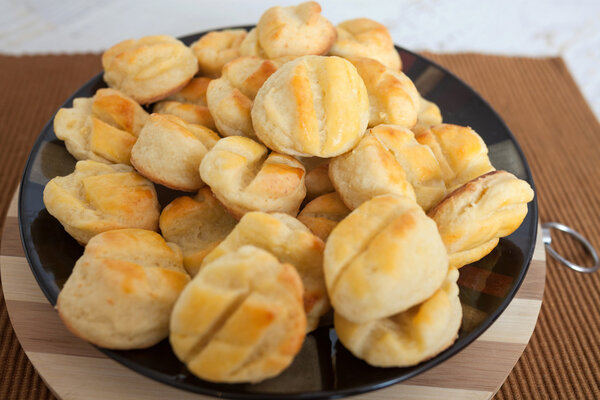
(488, 207)
(292, 243)
(317, 181)
(460, 151)
(250, 45)
(369, 170)
(382, 259)
(429, 115)
(169, 152)
(363, 37)
(150, 68)
(197, 225)
(323, 214)
(102, 128)
(312, 106)
(189, 104)
(245, 177)
(240, 319)
(230, 97)
(98, 197)
(122, 290)
(217, 48)
(409, 337)
(295, 31)
(393, 97)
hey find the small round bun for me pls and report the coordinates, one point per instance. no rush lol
(323, 214)
(369, 170)
(98, 197)
(240, 319)
(150, 68)
(410, 337)
(169, 152)
(393, 97)
(244, 177)
(317, 181)
(429, 115)
(488, 207)
(217, 48)
(460, 151)
(102, 128)
(189, 104)
(363, 37)
(197, 225)
(292, 243)
(295, 31)
(230, 97)
(122, 290)
(382, 259)
(312, 106)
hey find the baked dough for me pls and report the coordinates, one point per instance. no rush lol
(295, 31)
(382, 259)
(488, 207)
(98, 197)
(409, 337)
(122, 290)
(312, 106)
(150, 68)
(292, 243)
(317, 181)
(429, 115)
(197, 225)
(371, 169)
(244, 177)
(460, 151)
(189, 104)
(240, 319)
(393, 97)
(102, 128)
(323, 214)
(230, 97)
(169, 152)
(363, 37)
(217, 48)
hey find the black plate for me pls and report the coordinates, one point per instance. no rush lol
(324, 368)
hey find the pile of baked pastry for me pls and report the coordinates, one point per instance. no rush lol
(295, 114)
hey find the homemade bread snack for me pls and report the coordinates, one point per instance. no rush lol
(250, 45)
(122, 290)
(189, 104)
(150, 68)
(99, 197)
(244, 177)
(473, 216)
(393, 97)
(382, 259)
(323, 214)
(460, 151)
(363, 37)
(102, 128)
(295, 31)
(197, 225)
(317, 181)
(240, 319)
(169, 152)
(217, 48)
(409, 337)
(312, 106)
(292, 243)
(429, 115)
(230, 97)
(369, 170)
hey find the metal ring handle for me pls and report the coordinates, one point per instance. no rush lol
(547, 239)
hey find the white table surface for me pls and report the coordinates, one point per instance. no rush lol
(510, 27)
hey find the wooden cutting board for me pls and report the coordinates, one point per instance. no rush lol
(73, 369)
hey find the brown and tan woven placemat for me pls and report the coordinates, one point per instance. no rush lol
(541, 104)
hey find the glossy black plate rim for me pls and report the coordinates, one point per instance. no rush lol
(324, 394)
